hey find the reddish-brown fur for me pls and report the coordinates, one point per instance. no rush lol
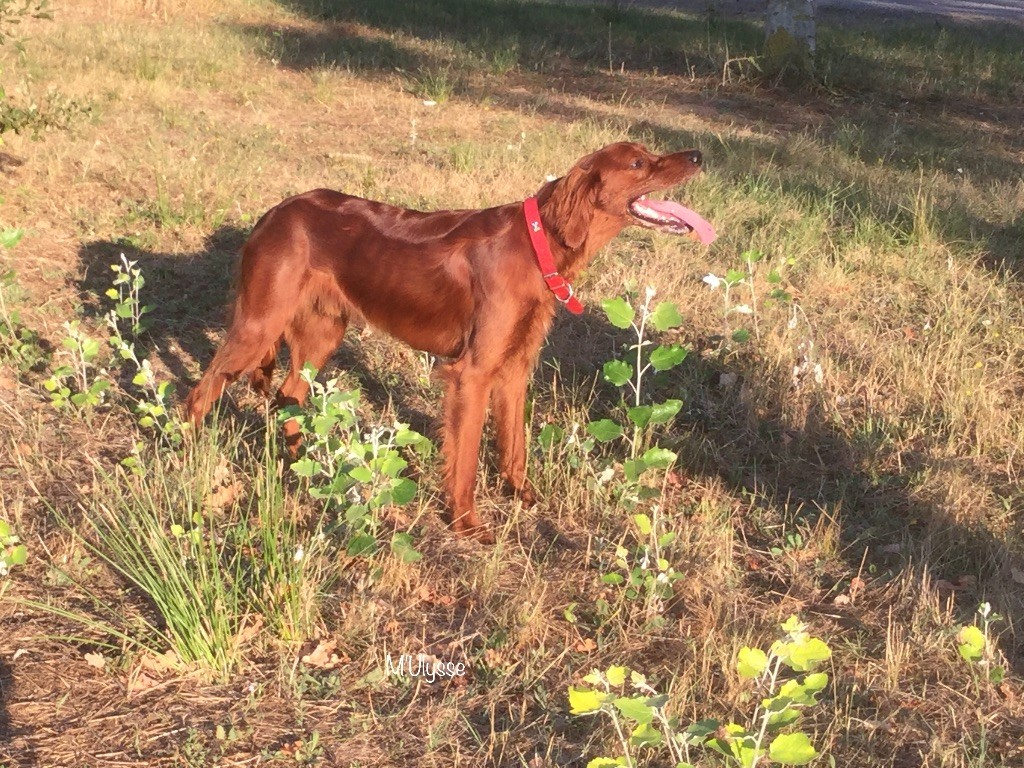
(463, 285)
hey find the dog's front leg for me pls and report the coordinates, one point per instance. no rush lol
(508, 405)
(465, 406)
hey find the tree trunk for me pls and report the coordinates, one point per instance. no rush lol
(789, 33)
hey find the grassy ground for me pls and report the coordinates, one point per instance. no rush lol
(856, 461)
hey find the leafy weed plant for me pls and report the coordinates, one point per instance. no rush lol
(19, 344)
(640, 721)
(355, 469)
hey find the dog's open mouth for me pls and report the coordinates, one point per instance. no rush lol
(671, 217)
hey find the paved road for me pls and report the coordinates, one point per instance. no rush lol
(1001, 11)
(967, 11)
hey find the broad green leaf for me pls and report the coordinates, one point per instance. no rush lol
(645, 735)
(666, 538)
(783, 717)
(643, 523)
(805, 656)
(635, 708)
(362, 544)
(616, 675)
(700, 730)
(618, 372)
(401, 545)
(584, 701)
(607, 762)
(18, 555)
(5, 529)
(752, 256)
(664, 358)
(604, 430)
(972, 637)
(666, 315)
(792, 749)
(774, 277)
(795, 692)
(741, 335)
(322, 425)
(306, 468)
(403, 490)
(619, 312)
(633, 468)
(406, 437)
(734, 276)
(664, 412)
(969, 653)
(612, 578)
(751, 662)
(11, 237)
(90, 348)
(362, 474)
(551, 434)
(659, 458)
(815, 681)
(640, 415)
(657, 701)
(793, 624)
(393, 464)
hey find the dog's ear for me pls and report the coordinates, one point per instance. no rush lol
(570, 209)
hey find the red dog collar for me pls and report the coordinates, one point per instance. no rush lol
(558, 284)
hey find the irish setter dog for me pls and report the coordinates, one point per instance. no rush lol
(463, 285)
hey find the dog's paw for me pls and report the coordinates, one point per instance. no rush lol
(469, 526)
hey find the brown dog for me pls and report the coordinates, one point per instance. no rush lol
(463, 285)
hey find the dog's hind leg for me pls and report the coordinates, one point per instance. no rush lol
(263, 374)
(311, 337)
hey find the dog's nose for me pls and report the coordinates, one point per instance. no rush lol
(696, 157)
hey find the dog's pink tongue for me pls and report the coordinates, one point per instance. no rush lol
(701, 228)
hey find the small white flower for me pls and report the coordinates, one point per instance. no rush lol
(743, 309)
(606, 476)
(650, 291)
(712, 280)
(299, 554)
(429, 103)
(819, 373)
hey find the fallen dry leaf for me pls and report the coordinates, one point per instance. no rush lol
(140, 682)
(160, 664)
(323, 656)
(585, 645)
(428, 595)
(250, 631)
(857, 586)
(223, 497)
(96, 660)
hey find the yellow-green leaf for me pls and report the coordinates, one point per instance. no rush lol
(751, 662)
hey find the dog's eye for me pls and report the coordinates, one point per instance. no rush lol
(637, 164)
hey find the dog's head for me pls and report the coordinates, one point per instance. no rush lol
(613, 184)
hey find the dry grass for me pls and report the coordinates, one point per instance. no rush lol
(881, 501)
